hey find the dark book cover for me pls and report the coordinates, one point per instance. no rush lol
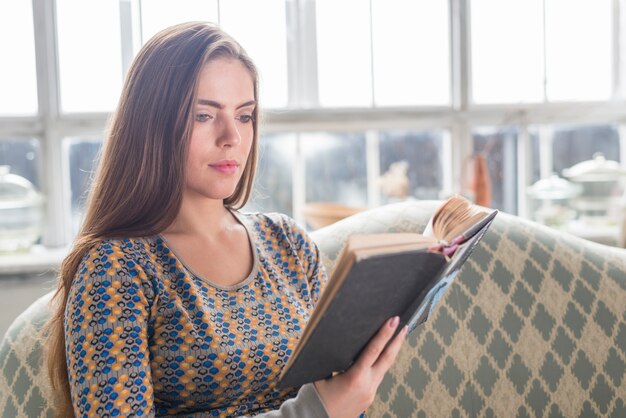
(376, 289)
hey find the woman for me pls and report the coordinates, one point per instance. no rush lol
(171, 301)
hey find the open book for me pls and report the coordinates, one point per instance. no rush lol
(378, 276)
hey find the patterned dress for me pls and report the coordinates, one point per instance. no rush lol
(145, 335)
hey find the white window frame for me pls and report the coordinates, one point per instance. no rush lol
(50, 126)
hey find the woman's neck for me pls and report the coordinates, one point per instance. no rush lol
(202, 217)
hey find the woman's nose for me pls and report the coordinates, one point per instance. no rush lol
(229, 133)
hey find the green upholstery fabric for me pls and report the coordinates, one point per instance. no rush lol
(534, 326)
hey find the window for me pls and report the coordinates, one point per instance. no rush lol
(507, 51)
(336, 168)
(344, 56)
(159, 14)
(395, 53)
(411, 52)
(499, 148)
(90, 55)
(273, 189)
(82, 155)
(352, 90)
(578, 49)
(570, 145)
(421, 153)
(23, 156)
(538, 50)
(18, 78)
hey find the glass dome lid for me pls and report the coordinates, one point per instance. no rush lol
(596, 169)
(554, 187)
(16, 191)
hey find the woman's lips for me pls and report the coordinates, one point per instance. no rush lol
(225, 167)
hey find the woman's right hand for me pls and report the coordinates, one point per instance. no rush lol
(348, 394)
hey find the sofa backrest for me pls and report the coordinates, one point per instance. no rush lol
(534, 325)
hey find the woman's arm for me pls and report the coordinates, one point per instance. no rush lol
(307, 404)
(106, 332)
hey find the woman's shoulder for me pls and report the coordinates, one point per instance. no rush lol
(270, 221)
(125, 247)
(132, 253)
(277, 228)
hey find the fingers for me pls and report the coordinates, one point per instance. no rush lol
(375, 347)
(388, 356)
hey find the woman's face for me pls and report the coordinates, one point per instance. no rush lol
(222, 131)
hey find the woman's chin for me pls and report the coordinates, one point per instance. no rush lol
(219, 194)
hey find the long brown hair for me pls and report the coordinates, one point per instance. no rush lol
(137, 189)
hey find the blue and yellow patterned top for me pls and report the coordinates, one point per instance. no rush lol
(145, 335)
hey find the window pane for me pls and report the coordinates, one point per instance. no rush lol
(573, 144)
(578, 49)
(262, 31)
(23, 155)
(420, 154)
(597, 209)
(82, 156)
(507, 51)
(335, 168)
(159, 14)
(21, 221)
(344, 53)
(499, 147)
(90, 54)
(273, 189)
(535, 150)
(411, 50)
(18, 76)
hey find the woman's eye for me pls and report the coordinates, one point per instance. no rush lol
(245, 118)
(203, 117)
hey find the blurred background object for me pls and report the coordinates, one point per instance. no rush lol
(551, 201)
(321, 214)
(21, 212)
(602, 185)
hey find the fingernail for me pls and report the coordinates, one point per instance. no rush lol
(394, 321)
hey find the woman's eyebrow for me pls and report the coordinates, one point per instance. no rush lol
(218, 105)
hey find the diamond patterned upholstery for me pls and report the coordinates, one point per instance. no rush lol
(24, 390)
(534, 326)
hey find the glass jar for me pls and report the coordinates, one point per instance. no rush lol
(21, 212)
(550, 201)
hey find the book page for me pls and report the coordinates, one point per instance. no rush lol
(358, 241)
(455, 217)
(365, 245)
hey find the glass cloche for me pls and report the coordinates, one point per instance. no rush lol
(550, 198)
(21, 212)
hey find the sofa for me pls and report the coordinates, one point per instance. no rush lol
(533, 326)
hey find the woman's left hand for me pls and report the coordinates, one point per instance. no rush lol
(348, 394)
